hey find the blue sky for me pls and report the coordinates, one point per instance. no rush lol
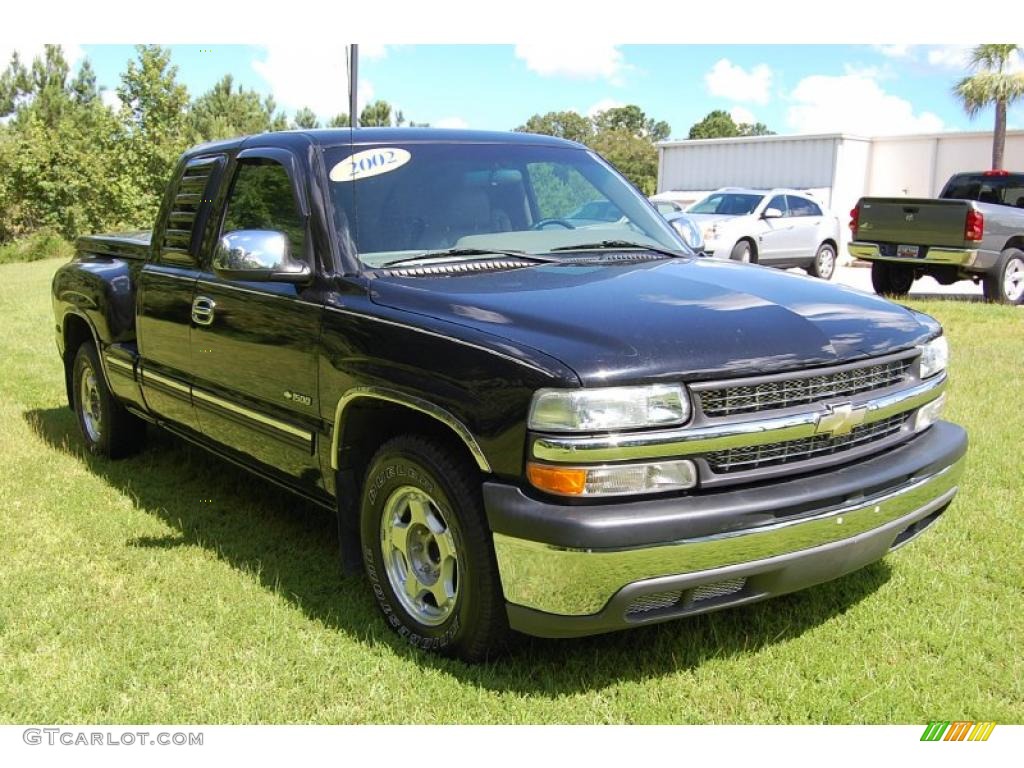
(792, 88)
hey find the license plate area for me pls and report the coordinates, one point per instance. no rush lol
(908, 251)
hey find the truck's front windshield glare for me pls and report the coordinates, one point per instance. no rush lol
(393, 202)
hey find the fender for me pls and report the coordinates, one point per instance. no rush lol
(409, 401)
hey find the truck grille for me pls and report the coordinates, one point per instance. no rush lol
(772, 454)
(784, 393)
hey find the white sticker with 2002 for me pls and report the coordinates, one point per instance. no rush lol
(370, 162)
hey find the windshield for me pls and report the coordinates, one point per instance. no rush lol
(728, 203)
(400, 201)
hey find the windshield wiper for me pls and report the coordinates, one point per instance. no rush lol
(458, 252)
(609, 244)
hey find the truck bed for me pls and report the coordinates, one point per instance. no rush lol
(119, 245)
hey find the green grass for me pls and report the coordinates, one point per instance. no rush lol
(172, 587)
(36, 247)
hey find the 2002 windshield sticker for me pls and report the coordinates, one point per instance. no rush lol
(370, 162)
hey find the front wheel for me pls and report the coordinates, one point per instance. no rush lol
(743, 252)
(891, 279)
(1005, 283)
(109, 430)
(428, 552)
(824, 264)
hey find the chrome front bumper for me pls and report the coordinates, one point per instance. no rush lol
(559, 590)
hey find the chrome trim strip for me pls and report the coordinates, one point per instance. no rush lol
(409, 401)
(482, 348)
(227, 405)
(121, 365)
(269, 294)
(686, 441)
(156, 378)
(576, 582)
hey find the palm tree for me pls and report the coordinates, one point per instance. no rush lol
(992, 84)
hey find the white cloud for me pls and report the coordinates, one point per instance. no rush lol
(731, 81)
(313, 76)
(949, 56)
(452, 122)
(110, 99)
(585, 62)
(742, 115)
(854, 103)
(895, 51)
(603, 105)
(372, 51)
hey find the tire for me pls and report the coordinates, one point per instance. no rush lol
(891, 279)
(743, 252)
(108, 429)
(824, 264)
(422, 524)
(1005, 283)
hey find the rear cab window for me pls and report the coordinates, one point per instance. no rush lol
(985, 188)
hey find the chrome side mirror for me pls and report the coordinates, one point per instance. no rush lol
(771, 213)
(688, 230)
(258, 255)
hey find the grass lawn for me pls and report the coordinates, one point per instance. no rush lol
(173, 587)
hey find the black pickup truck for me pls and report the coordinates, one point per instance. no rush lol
(522, 422)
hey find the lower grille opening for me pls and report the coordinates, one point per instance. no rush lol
(654, 602)
(718, 589)
(912, 531)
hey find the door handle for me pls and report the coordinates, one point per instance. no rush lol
(202, 310)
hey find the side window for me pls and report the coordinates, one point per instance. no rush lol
(801, 206)
(779, 202)
(262, 198)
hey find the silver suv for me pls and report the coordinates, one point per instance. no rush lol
(778, 228)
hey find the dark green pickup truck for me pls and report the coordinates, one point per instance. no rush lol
(973, 231)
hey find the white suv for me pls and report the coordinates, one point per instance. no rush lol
(778, 228)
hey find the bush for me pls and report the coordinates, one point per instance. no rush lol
(41, 245)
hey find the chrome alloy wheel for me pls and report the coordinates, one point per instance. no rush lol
(826, 263)
(1013, 280)
(419, 555)
(89, 396)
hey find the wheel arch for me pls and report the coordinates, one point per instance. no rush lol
(1017, 241)
(754, 254)
(76, 330)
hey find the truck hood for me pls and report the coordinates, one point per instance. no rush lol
(690, 318)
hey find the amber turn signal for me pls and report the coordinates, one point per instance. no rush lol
(565, 481)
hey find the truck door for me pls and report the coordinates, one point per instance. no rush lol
(165, 291)
(254, 344)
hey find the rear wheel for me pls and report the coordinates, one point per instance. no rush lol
(427, 550)
(824, 264)
(1005, 283)
(743, 251)
(108, 429)
(891, 279)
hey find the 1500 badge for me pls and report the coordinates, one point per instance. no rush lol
(296, 397)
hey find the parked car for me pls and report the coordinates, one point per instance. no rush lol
(778, 228)
(973, 231)
(519, 424)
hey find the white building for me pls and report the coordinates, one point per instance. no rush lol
(836, 167)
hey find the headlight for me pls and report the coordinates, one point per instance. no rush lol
(593, 410)
(934, 357)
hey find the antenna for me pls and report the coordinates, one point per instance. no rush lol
(353, 82)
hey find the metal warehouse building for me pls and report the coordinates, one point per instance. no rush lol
(836, 167)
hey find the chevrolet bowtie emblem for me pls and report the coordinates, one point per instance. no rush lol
(840, 420)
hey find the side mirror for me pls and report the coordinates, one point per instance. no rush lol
(771, 213)
(259, 255)
(688, 231)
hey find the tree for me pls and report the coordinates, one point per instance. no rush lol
(565, 125)
(225, 111)
(339, 121)
(635, 157)
(156, 125)
(719, 124)
(631, 119)
(992, 84)
(305, 118)
(377, 113)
